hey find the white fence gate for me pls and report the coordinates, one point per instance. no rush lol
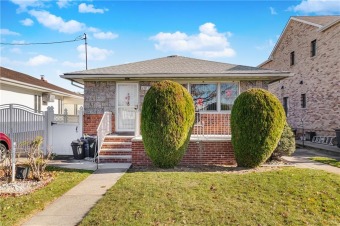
(23, 124)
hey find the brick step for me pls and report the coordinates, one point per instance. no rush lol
(116, 151)
(114, 145)
(118, 138)
(115, 158)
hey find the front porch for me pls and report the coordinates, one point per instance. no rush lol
(210, 142)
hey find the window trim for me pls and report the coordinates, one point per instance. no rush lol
(303, 100)
(218, 102)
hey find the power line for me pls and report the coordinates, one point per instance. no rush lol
(79, 38)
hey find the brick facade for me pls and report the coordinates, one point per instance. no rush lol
(91, 122)
(316, 76)
(199, 153)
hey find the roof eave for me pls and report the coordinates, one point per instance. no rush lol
(38, 88)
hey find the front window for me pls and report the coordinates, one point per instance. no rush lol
(313, 48)
(229, 92)
(292, 58)
(205, 96)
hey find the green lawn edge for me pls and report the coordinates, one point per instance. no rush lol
(326, 160)
(15, 210)
(288, 196)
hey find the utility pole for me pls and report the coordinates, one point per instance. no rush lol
(85, 38)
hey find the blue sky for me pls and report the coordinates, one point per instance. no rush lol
(238, 32)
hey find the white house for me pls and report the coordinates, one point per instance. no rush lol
(19, 88)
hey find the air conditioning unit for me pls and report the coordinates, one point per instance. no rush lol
(47, 97)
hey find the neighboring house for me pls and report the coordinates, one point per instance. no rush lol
(309, 47)
(38, 94)
(213, 85)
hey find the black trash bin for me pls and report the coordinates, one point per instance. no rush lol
(92, 141)
(86, 147)
(77, 148)
(337, 132)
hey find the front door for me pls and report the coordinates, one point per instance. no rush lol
(127, 101)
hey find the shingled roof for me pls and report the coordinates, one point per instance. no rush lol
(6, 73)
(176, 67)
(319, 20)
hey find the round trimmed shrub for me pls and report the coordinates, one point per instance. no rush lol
(168, 116)
(257, 121)
(286, 145)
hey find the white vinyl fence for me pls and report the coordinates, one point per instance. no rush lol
(22, 124)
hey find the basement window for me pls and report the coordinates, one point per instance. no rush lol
(285, 104)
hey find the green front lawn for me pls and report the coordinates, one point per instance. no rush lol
(329, 161)
(13, 210)
(289, 196)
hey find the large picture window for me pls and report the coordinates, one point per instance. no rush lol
(205, 96)
(214, 96)
(229, 92)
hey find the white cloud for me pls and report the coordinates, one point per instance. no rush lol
(63, 3)
(39, 60)
(18, 41)
(317, 7)
(57, 23)
(24, 4)
(208, 43)
(93, 53)
(272, 11)
(27, 22)
(83, 8)
(93, 29)
(105, 35)
(74, 64)
(4, 31)
(15, 50)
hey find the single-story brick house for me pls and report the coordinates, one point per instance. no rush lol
(121, 89)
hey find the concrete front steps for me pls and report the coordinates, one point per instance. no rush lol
(116, 149)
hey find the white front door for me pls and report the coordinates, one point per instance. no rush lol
(127, 101)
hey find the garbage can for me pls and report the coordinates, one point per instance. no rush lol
(337, 132)
(86, 147)
(92, 141)
(77, 148)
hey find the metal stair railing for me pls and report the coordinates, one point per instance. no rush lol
(104, 128)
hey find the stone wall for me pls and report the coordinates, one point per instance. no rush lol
(99, 96)
(318, 77)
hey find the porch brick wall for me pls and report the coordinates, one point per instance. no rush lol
(91, 122)
(320, 76)
(198, 153)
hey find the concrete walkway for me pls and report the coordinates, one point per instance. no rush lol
(301, 158)
(72, 207)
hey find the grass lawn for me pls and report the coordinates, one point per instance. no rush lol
(289, 196)
(13, 210)
(329, 161)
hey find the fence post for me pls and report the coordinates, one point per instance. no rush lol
(80, 120)
(13, 160)
(49, 118)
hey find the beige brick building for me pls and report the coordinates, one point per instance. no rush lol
(309, 47)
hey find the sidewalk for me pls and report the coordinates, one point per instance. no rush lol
(72, 207)
(301, 158)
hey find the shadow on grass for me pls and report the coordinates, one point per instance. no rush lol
(60, 169)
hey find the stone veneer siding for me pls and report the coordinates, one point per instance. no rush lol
(319, 75)
(99, 96)
(198, 153)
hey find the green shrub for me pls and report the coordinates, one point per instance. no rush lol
(168, 116)
(286, 145)
(257, 121)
